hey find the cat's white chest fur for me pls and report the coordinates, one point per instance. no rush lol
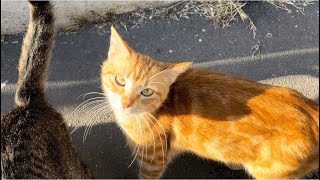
(130, 124)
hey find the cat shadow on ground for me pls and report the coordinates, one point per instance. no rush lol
(106, 153)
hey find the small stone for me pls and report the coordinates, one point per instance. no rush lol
(158, 51)
(14, 42)
(296, 26)
(170, 51)
(269, 35)
(3, 84)
(203, 30)
(200, 40)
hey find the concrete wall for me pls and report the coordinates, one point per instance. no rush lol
(15, 16)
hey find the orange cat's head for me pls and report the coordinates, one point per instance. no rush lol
(135, 83)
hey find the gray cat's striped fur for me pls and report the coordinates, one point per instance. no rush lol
(35, 142)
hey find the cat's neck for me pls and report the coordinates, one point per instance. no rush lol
(141, 128)
(132, 119)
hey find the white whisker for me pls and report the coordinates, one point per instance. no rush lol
(164, 132)
(89, 93)
(158, 83)
(135, 147)
(85, 106)
(95, 116)
(154, 143)
(86, 101)
(97, 108)
(140, 127)
(137, 150)
(159, 134)
(158, 73)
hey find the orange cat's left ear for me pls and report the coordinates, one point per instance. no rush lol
(118, 47)
(176, 70)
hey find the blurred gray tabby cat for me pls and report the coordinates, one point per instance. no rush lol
(35, 141)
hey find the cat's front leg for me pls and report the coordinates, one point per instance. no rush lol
(153, 162)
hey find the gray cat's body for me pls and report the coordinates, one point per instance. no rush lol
(35, 142)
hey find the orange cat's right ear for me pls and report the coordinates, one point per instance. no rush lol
(118, 47)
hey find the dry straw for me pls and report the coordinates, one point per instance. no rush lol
(221, 12)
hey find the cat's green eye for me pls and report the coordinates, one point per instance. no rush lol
(147, 92)
(120, 80)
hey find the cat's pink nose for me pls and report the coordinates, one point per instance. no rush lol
(126, 104)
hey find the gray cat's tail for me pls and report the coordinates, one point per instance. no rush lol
(36, 54)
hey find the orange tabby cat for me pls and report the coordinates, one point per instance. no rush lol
(166, 109)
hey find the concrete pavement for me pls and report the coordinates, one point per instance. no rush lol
(14, 17)
(289, 57)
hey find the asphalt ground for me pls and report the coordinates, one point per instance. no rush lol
(289, 44)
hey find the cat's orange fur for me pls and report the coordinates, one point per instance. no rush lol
(272, 132)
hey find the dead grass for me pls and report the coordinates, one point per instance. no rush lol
(221, 12)
(288, 4)
(256, 49)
